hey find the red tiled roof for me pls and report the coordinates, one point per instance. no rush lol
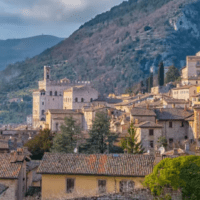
(96, 164)
(9, 169)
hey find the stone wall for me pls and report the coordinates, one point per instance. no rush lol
(137, 194)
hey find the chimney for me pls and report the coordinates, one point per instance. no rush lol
(133, 105)
(185, 107)
(147, 106)
(13, 156)
(136, 121)
(178, 85)
(175, 151)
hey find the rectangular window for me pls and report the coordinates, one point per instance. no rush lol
(170, 124)
(150, 132)
(126, 186)
(102, 186)
(42, 103)
(171, 140)
(182, 124)
(70, 185)
(151, 143)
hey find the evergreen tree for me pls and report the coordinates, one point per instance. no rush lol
(130, 143)
(150, 82)
(66, 141)
(147, 84)
(172, 74)
(161, 74)
(100, 137)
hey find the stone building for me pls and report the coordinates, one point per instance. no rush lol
(13, 175)
(77, 96)
(184, 92)
(49, 96)
(56, 117)
(191, 73)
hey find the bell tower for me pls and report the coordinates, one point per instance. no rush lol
(46, 73)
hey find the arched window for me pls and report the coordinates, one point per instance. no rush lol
(43, 112)
(43, 119)
(50, 93)
(47, 76)
(82, 99)
(76, 99)
(91, 99)
(56, 93)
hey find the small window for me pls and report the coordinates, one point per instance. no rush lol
(50, 93)
(56, 93)
(150, 132)
(56, 126)
(76, 99)
(126, 186)
(91, 100)
(170, 124)
(186, 137)
(47, 76)
(43, 112)
(82, 99)
(171, 140)
(43, 119)
(42, 103)
(182, 124)
(102, 186)
(70, 185)
(151, 144)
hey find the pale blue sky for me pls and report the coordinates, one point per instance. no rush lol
(26, 18)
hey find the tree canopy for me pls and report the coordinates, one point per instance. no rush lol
(40, 143)
(100, 138)
(130, 143)
(66, 141)
(178, 173)
(172, 74)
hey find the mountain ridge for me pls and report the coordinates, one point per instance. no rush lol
(18, 49)
(117, 50)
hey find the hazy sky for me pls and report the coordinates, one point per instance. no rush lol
(25, 18)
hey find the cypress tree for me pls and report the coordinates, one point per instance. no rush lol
(161, 74)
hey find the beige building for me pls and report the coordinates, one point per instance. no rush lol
(13, 175)
(148, 133)
(49, 96)
(56, 117)
(191, 73)
(78, 96)
(68, 176)
(184, 92)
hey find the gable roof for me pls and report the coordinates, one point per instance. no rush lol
(8, 168)
(142, 112)
(96, 164)
(148, 124)
(172, 114)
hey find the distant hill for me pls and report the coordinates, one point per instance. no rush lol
(13, 50)
(116, 49)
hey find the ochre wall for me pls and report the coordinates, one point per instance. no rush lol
(54, 186)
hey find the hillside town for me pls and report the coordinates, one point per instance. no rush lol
(167, 112)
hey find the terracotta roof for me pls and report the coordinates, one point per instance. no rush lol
(9, 169)
(184, 87)
(4, 144)
(96, 164)
(148, 124)
(177, 101)
(191, 118)
(3, 188)
(63, 111)
(142, 112)
(172, 114)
